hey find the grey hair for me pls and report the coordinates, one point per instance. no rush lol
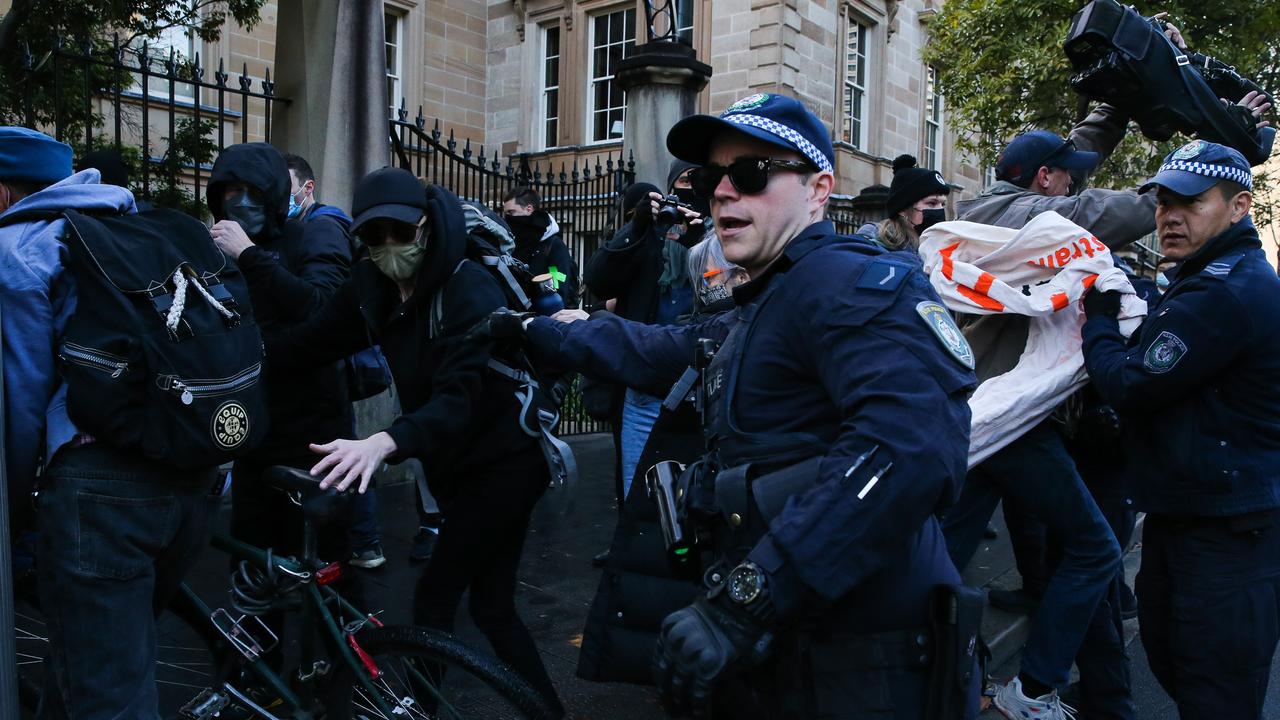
(708, 252)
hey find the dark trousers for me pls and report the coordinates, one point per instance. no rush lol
(1036, 471)
(117, 534)
(479, 548)
(1209, 612)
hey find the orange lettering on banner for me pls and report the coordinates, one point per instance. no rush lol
(985, 282)
(1089, 281)
(1060, 300)
(979, 299)
(1063, 256)
(947, 266)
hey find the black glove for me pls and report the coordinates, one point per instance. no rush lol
(502, 325)
(1099, 304)
(701, 644)
(642, 219)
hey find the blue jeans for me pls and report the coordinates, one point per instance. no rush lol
(364, 531)
(639, 413)
(1036, 472)
(117, 534)
(1209, 611)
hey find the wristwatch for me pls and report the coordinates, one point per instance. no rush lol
(746, 583)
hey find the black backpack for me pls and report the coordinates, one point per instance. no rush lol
(162, 354)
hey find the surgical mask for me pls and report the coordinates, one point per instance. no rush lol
(397, 261)
(251, 216)
(929, 218)
(295, 209)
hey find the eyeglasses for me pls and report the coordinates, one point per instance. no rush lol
(747, 175)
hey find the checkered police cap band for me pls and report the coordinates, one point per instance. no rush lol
(1222, 172)
(786, 133)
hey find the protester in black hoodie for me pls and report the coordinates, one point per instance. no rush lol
(416, 296)
(290, 276)
(538, 242)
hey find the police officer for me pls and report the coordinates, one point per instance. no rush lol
(1198, 389)
(837, 427)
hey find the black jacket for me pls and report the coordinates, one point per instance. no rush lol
(539, 245)
(628, 268)
(458, 415)
(291, 270)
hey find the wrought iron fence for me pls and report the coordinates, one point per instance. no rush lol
(581, 196)
(851, 212)
(158, 109)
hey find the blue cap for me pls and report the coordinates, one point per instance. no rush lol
(1023, 157)
(1198, 166)
(775, 119)
(30, 156)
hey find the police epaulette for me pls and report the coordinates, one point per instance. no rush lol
(883, 275)
(1222, 267)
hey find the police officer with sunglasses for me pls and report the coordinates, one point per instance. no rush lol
(837, 427)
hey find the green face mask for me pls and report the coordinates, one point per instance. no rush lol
(398, 262)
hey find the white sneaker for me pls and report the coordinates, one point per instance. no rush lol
(1014, 705)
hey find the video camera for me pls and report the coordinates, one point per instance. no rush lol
(1123, 58)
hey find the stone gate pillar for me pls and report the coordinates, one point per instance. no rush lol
(662, 81)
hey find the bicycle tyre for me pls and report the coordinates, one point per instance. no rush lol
(401, 650)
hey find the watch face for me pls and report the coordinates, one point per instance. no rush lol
(745, 583)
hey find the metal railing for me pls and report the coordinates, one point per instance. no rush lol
(158, 109)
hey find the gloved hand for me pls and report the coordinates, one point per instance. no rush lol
(701, 644)
(1100, 304)
(502, 325)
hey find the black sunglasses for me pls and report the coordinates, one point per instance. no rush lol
(747, 175)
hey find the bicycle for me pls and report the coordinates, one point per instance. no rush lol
(366, 670)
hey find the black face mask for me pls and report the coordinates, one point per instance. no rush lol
(526, 228)
(251, 216)
(699, 204)
(929, 218)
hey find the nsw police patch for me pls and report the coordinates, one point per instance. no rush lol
(750, 102)
(940, 322)
(1164, 353)
(1190, 150)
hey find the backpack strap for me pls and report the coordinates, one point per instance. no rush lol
(435, 319)
(502, 263)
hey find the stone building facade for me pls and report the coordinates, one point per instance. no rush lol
(535, 76)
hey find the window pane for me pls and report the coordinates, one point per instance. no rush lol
(631, 26)
(615, 27)
(553, 103)
(602, 30)
(553, 41)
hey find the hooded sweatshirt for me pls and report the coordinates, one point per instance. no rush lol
(291, 273)
(38, 298)
(460, 418)
(539, 245)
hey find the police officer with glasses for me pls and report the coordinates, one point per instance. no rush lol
(837, 427)
(1197, 390)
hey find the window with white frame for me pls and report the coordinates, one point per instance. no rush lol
(684, 21)
(613, 37)
(550, 102)
(854, 130)
(932, 120)
(177, 42)
(394, 28)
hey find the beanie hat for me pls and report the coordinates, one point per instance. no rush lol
(30, 156)
(910, 183)
(635, 193)
(678, 167)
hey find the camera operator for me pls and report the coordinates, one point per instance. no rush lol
(1197, 389)
(644, 269)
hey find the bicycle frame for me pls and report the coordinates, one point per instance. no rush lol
(196, 613)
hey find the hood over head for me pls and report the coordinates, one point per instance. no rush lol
(257, 165)
(82, 191)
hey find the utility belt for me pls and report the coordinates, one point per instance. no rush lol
(695, 502)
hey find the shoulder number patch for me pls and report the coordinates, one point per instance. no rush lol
(1164, 353)
(940, 322)
(880, 275)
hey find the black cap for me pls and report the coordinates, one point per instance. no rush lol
(388, 193)
(910, 183)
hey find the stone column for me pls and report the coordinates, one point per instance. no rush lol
(331, 64)
(662, 81)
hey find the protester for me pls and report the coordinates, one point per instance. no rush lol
(118, 530)
(538, 242)
(917, 201)
(292, 269)
(416, 296)
(1196, 390)
(823, 360)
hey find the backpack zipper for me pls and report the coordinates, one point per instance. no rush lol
(188, 390)
(96, 359)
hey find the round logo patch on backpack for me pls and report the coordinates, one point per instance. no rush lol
(230, 425)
